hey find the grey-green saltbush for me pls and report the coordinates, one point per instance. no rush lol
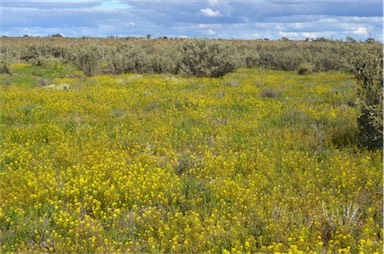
(202, 58)
(88, 59)
(130, 58)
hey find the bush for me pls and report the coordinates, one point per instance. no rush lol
(268, 93)
(4, 68)
(368, 66)
(288, 60)
(165, 60)
(201, 58)
(130, 59)
(305, 68)
(88, 59)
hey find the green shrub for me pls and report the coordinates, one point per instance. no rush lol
(250, 56)
(6, 59)
(288, 60)
(368, 65)
(130, 58)
(165, 59)
(201, 58)
(88, 59)
(305, 68)
(4, 68)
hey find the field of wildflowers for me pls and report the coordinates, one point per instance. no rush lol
(255, 162)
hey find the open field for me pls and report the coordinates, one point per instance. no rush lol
(258, 161)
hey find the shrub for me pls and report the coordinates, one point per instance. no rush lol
(42, 82)
(45, 61)
(165, 60)
(268, 93)
(88, 59)
(305, 68)
(4, 68)
(288, 60)
(130, 59)
(250, 56)
(205, 59)
(368, 66)
(5, 61)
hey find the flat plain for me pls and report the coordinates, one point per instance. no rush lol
(258, 161)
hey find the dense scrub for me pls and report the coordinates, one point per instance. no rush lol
(257, 161)
(190, 57)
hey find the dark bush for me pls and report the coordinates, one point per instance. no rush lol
(4, 69)
(269, 93)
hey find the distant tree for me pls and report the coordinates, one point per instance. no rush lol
(149, 36)
(370, 40)
(321, 39)
(284, 39)
(57, 35)
(350, 39)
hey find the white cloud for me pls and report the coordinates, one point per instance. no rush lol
(288, 34)
(361, 31)
(208, 12)
(310, 35)
(328, 20)
(210, 32)
(243, 19)
(301, 35)
(213, 2)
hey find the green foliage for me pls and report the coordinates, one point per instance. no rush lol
(5, 60)
(189, 57)
(165, 59)
(305, 68)
(88, 59)
(130, 58)
(28, 75)
(368, 65)
(287, 60)
(4, 69)
(201, 58)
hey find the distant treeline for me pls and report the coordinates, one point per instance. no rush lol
(188, 57)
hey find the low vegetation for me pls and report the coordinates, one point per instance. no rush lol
(257, 161)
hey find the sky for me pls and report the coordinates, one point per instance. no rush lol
(227, 19)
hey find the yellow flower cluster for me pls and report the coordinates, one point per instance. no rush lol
(153, 163)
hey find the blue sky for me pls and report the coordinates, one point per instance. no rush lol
(238, 19)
